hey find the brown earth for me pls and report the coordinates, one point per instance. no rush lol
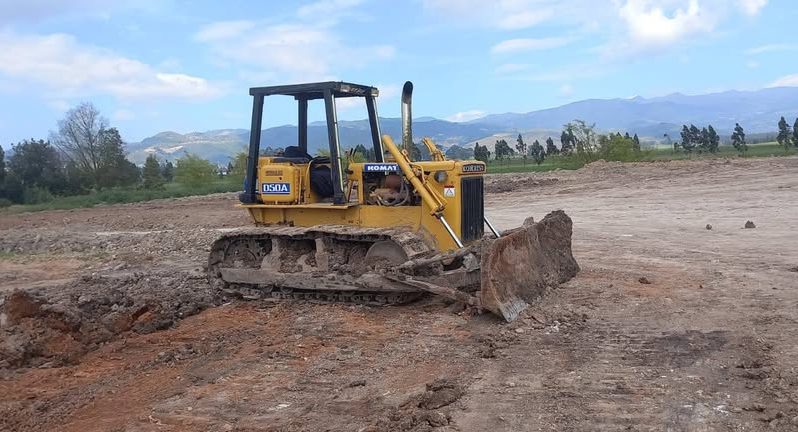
(113, 331)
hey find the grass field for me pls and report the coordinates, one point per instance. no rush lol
(127, 195)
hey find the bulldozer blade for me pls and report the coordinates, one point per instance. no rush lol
(518, 267)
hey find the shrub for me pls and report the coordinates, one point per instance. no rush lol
(36, 195)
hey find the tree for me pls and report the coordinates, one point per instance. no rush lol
(567, 141)
(193, 171)
(113, 168)
(37, 164)
(582, 137)
(168, 171)
(738, 139)
(551, 149)
(456, 152)
(617, 147)
(481, 153)
(503, 149)
(636, 141)
(151, 174)
(784, 136)
(687, 140)
(521, 146)
(712, 139)
(795, 133)
(537, 152)
(79, 137)
(239, 168)
(366, 153)
(2, 166)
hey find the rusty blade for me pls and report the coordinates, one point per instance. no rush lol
(521, 265)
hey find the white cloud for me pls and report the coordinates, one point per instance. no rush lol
(68, 68)
(466, 116)
(649, 25)
(752, 64)
(286, 52)
(528, 44)
(504, 14)
(786, 81)
(652, 25)
(222, 30)
(752, 7)
(771, 48)
(567, 90)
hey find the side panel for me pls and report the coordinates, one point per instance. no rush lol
(415, 218)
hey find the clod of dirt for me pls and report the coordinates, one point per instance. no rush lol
(750, 224)
(440, 393)
(709, 227)
(643, 280)
(793, 269)
(58, 326)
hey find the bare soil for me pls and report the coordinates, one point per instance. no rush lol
(107, 323)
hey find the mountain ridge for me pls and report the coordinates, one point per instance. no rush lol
(757, 110)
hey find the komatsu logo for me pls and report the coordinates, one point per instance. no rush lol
(276, 188)
(473, 168)
(381, 167)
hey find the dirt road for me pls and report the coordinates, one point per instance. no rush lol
(669, 326)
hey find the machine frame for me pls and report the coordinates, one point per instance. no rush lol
(302, 93)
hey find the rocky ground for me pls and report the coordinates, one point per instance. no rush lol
(681, 319)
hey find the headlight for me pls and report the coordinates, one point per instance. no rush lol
(441, 176)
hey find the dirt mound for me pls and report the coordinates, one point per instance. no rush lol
(155, 243)
(61, 325)
(509, 183)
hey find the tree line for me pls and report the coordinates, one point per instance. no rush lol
(579, 140)
(86, 154)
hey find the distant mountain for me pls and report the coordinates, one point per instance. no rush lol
(221, 145)
(758, 111)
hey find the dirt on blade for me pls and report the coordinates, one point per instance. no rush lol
(107, 324)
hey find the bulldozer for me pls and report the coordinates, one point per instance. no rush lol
(383, 231)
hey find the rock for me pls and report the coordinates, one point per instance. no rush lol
(519, 330)
(436, 419)
(441, 393)
(643, 280)
(750, 224)
(357, 383)
(709, 227)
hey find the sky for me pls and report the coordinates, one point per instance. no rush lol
(158, 65)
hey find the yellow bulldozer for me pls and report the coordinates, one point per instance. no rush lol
(384, 231)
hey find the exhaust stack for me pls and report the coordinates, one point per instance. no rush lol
(407, 116)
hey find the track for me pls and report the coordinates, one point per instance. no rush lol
(313, 264)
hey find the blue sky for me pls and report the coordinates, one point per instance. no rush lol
(152, 66)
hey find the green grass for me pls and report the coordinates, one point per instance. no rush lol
(126, 195)
(659, 154)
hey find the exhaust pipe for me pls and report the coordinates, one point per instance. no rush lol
(407, 116)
